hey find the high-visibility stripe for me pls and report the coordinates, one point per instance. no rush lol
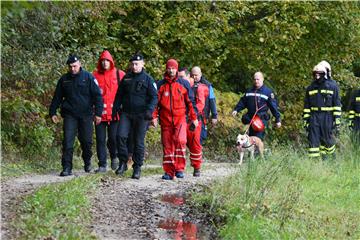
(314, 154)
(357, 115)
(337, 113)
(257, 95)
(351, 116)
(328, 149)
(352, 112)
(313, 149)
(337, 108)
(324, 109)
(197, 158)
(195, 154)
(307, 110)
(357, 99)
(313, 92)
(306, 115)
(168, 162)
(337, 121)
(327, 91)
(182, 150)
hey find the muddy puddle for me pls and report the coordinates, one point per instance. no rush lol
(178, 221)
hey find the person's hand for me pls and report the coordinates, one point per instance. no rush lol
(234, 113)
(148, 115)
(154, 122)
(97, 120)
(196, 123)
(278, 124)
(214, 121)
(55, 119)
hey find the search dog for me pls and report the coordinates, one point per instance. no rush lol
(248, 144)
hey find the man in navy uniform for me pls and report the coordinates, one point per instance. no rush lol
(258, 98)
(135, 99)
(77, 93)
(322, 112)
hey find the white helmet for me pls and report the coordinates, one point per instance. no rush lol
(327, 66)
(319, 69)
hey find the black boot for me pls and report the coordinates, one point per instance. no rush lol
(122, 168)
(66, 172)
(136, 173)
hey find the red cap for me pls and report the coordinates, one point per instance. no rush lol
(172, 63)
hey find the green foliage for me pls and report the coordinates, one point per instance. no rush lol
(288, 196)
(228, 40)
(58, 211)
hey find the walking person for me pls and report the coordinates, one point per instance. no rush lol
(322, 112)
(109, 79)
(258, 100)
(209, 111)
(135, 100)
(175, 100)
(77, 93)
(201, 95)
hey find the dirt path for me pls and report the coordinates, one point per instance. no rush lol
(149, 208)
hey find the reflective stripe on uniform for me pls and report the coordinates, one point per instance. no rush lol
(306, 115)
(327, 91)
(257, 95)
(357, 99)
(307, 110)
(313, 92)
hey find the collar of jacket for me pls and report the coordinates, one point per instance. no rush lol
(169, 79)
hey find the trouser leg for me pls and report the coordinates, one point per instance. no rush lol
(122, 136)
(168, 143)
(180, 147)
(69, 132)
(195, 148)
(314, 138)
(85, 132)
(111, 142)
(100, 131)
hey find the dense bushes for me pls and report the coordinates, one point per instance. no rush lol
(229, 40)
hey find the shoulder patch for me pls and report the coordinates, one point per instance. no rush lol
(154, 84)
(272, 95)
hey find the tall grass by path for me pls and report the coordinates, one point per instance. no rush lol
(60, 211)
(288, 196)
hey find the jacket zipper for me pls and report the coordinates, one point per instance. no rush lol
(172, 115)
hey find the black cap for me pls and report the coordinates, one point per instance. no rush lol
(137, 57)
(72, 58)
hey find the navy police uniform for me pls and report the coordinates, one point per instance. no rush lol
(135, 99)
(77, 95)
(354, 113)
(322, 112)
(263, 99)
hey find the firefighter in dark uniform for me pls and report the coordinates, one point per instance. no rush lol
(77, 93)
(354, 111)
(322, 112)
(135, 99)
(258, 98)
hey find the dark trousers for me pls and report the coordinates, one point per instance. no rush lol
(203, 133)
(320, 134)
(136, 124)
(100, 130)
(83, 127)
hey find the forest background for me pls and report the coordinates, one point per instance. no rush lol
(228, 40)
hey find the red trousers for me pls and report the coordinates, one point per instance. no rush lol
(174, 148)
(194, 145)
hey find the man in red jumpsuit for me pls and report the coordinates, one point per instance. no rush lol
(108, 78)
(201, 94)
(175, 101)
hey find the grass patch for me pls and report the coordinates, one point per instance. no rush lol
(288, 196)
(60, 211)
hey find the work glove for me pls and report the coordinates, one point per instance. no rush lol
(148, 115)
(336, 126)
